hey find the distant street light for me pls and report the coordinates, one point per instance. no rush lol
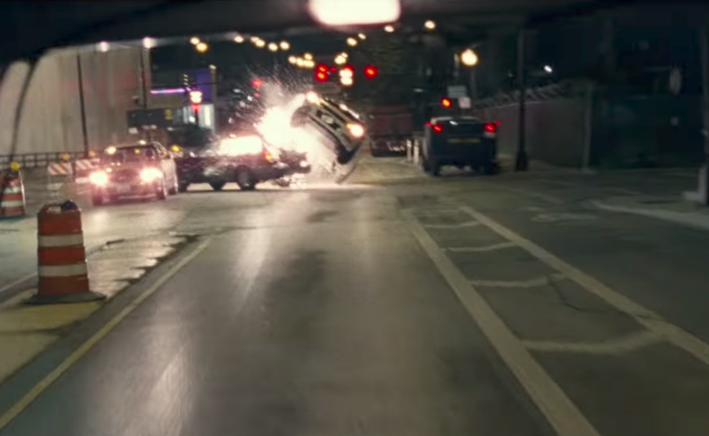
(292, 59)
(430, 25)
(351, 42)
(308, 56)
(202, 47)
(340, 60)
(469, 58)
(285, 45)
(273, 47)
(260, 43)
(548, 69)
(149, 42)
(362, 36)
(389, 28)
(194, 40)
(238, 39)
(103, 46)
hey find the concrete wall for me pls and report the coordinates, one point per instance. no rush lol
(51, 119)
(555, 130)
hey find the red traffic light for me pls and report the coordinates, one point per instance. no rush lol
(322, 76)
(446, 102)
(258, 83)
(370, 72)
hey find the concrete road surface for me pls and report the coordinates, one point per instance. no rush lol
(408, 306)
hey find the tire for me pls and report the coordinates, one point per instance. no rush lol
(182, 187)
(217, 186)
(175, 188)
(244, 179)
(97, 199)
(489, 169)
(162, 191)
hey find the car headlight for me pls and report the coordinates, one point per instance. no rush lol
(356, 130)
(98, 178)
(150, 175)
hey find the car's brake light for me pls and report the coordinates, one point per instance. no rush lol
(491, 127)
(437, 128)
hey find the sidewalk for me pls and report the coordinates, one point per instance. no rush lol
(27, 330)
(669, 208)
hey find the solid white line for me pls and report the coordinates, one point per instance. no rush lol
(650, 320)
(553, 403)
(532, 283)
(452, 226)
(493, 247)
(16, 282)
(30, 396)
(614, 346)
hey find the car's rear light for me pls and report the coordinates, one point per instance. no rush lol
(268, 156)
(437, 128)
(491, 127)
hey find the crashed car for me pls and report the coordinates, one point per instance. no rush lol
(245, 159)
(136, 170)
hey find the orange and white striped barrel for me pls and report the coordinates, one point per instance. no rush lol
(12, 195)
(62, 270)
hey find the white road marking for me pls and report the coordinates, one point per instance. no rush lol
(483, 249)
(532, 283)
(553, 403)
(16, 282)
(650, 320)
(579, 186)
(625, 344)
(453, 226)
(554, 217)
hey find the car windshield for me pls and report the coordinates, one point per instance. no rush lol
(354, 217)
(131, 153)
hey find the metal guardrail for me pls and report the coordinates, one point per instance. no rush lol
(40, 160)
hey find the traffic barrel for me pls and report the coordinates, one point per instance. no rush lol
(12, 193)
(62, 270)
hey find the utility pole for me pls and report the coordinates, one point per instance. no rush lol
(704, 174)
(144, 88)
(82, 104)
(522, 160)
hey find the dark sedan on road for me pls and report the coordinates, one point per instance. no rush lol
(461, 142)
(144, 169)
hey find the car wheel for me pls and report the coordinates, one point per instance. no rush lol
(182, 187)
(489, 169)
(97, 199)
(162, 191)
(217, 186)
(175, 188)
(244, 179)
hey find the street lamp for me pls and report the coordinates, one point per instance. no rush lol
(308, 56)
(430, 25)
(351, 42)
(238, 39)
(285, 46)
(469, 58)
(273, 47)
(149, 42)
(340, 60)
(194, 40)
(292, 59)
(389, 28)
(260, 43)
(202, 47)
(362, 36)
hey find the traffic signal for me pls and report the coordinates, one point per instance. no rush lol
(446, 102)
(370, 72)
(257, 83)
